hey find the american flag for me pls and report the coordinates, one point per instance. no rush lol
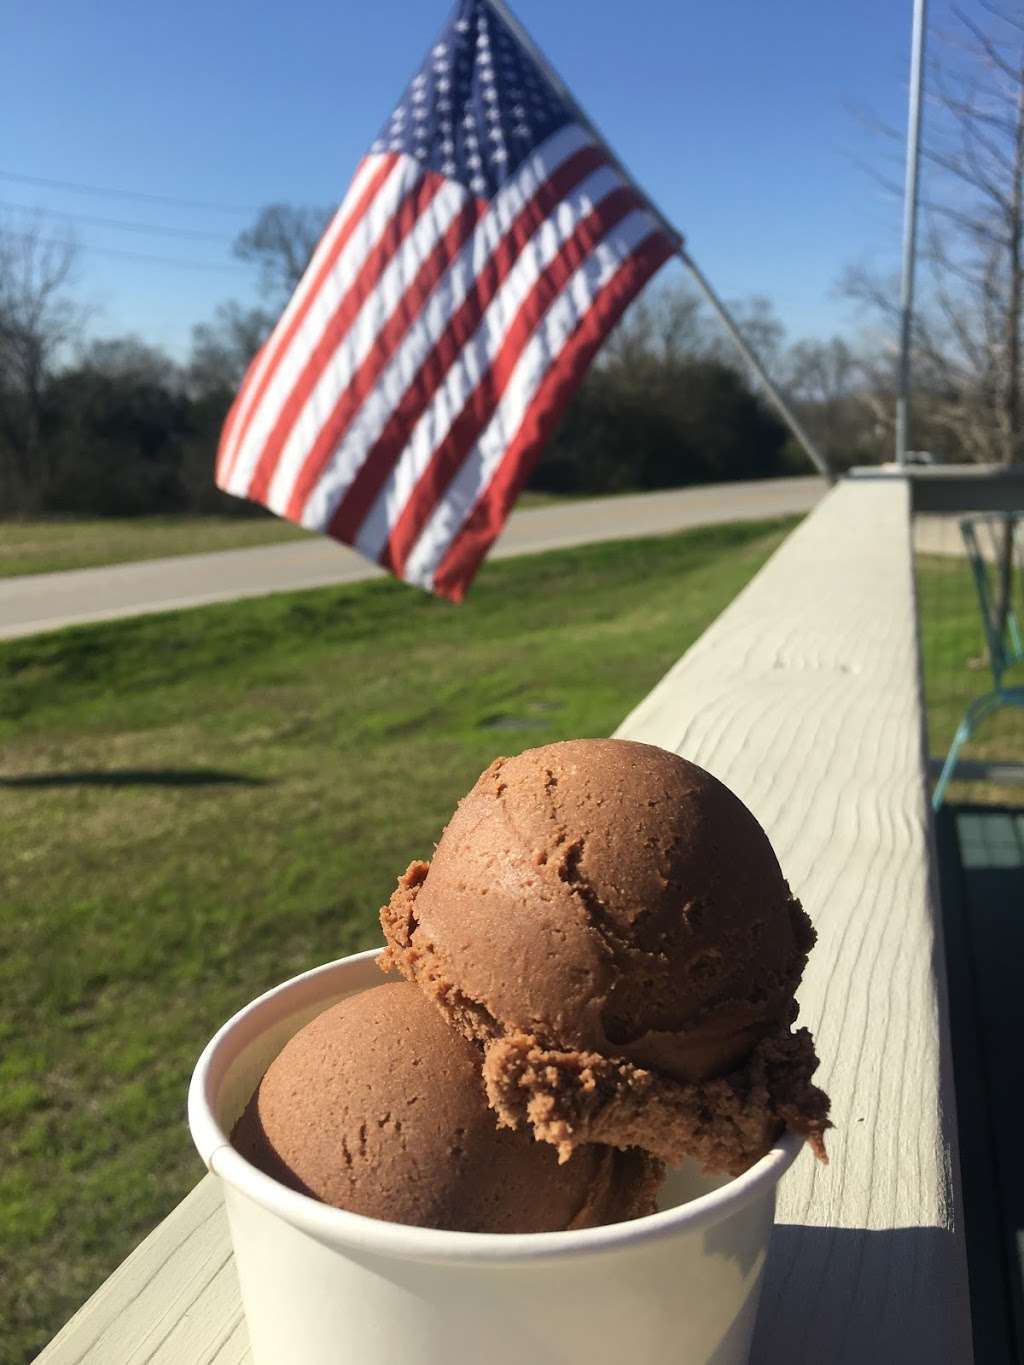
(487, 245)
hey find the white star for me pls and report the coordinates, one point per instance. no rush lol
(499, 154)
(462, 25)
(469, 121)
(494, 134)
(378, 146)
(449, 167)
(444, 104)
(492, 115)
(419, 96)
(448, 147)
(396, 145)
(521, 130)
(478, 185)
(490, 94)
(518, 111)
(418, 81)
(440, 50)
(473, 160)
(444, 84)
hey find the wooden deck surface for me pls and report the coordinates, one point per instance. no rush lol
(805, 697)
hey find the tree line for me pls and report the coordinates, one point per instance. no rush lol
(118, 427)
(111, 427)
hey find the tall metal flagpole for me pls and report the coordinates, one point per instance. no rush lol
(813, 453)
(910, 231)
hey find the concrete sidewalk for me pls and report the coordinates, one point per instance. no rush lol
(41, 602)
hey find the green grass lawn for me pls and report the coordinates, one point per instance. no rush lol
(955, 671)
(28, 547)
(51, 546)
(196, 806)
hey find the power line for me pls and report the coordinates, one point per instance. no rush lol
(80, 188)
(120, 223)
(139, 255)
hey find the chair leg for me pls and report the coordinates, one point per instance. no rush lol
(977, 711)
(963, 734)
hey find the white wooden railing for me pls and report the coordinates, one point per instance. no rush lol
(805, 697)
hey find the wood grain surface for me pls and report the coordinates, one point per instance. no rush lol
(174, 1301)
(805, 698)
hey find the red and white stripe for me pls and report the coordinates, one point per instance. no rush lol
(431, 346)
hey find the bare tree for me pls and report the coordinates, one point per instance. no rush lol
(967, 333)
(827, 382)
(764, 333)
(664, 325)
(672, 323)
(967, 330)
(223, 347)
(39, 318)
(130, 360)
(280, 242)
(979, 152)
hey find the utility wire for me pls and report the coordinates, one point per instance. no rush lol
(80, 188)
(120, 223)
(139, 255)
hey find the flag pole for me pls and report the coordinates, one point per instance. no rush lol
(910, 231)
(813, 453)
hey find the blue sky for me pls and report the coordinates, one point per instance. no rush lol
(737, 117)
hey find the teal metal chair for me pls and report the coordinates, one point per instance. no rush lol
(983, 538)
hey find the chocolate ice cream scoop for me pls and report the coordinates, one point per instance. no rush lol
(378, 1106)
(612, 923)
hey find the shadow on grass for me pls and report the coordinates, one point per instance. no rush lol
(137, 777)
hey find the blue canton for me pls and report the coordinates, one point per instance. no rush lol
(478, 105)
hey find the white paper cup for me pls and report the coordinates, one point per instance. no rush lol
(324, 1287)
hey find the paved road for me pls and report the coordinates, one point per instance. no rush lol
(40, 602)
